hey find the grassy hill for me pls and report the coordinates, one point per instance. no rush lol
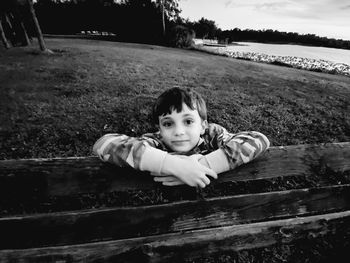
(60, 104)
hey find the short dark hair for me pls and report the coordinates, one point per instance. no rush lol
(173, 99)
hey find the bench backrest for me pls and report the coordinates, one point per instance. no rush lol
(80, 209)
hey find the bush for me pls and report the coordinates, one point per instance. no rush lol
(181, 36)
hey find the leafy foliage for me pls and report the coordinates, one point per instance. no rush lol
(275, 36)
(142, 21)
(129, 20)
(180, 36)
(205, 28)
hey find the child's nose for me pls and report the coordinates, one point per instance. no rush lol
(179, 130)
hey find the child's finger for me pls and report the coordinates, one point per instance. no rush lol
(173, 183)
(159, 179)
(158, 175)
(206, 180)
(164, 179)
(201, 184)
(210, 172)
(167, 179)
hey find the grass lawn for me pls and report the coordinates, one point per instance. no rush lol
(59, 105)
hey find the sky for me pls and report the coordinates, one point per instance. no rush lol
(325, 18)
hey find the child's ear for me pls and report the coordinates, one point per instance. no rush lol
(204, 126)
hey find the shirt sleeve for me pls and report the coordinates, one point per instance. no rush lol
(140, 153)
(233, 150)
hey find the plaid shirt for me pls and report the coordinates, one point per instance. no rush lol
(239, 148)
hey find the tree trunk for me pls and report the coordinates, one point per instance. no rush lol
(25, 35)
(3, 37)
(8, 20)
(163, 16)
(17, 17)
(37, 27)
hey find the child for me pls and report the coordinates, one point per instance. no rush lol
(186, 149)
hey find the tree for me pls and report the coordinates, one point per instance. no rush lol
(169, 10)
(14, 13)
(17, 17)
(4, 23)
(13, 21)
(3, 36)
(37, 27)
(163, 16)
(205, 28)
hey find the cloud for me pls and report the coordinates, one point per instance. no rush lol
(294, 7)
(306, 9)
(228, 3)
(305, 16)
(327, 9)
(272, 6)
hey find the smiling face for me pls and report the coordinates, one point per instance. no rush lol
(181, 131)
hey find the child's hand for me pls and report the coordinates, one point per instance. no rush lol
(168, 180)
(201, 159)
(187, 169)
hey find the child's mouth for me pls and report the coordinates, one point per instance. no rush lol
(181, 142)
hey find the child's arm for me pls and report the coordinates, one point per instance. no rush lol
(171, 180)
(234, 149)
(142, 154)
(186, 169)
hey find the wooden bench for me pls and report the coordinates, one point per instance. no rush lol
(83, 210)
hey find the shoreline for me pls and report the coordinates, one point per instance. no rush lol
(317, 65)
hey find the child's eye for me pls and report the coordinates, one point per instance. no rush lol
(189, 122)
(167, 124)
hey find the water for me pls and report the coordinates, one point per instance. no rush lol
(331, 54)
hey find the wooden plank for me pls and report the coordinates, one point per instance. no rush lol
(117, 223)
(69, 176)
(296, 160)
(191, 244)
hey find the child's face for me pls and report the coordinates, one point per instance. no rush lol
(181, 131)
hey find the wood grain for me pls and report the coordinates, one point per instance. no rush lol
(176, 247)
(66, 228)
(69, 176)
